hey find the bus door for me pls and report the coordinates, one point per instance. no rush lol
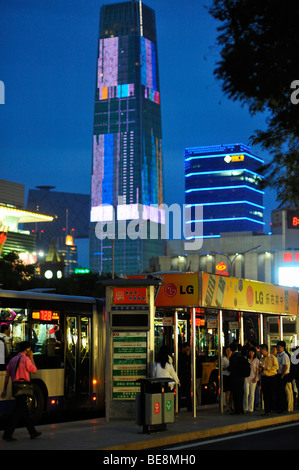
(78, 387)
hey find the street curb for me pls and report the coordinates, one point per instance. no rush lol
(152, 443)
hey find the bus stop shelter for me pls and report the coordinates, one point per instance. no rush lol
(201, 308)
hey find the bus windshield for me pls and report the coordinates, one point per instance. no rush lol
(46, 341)
(45, 337)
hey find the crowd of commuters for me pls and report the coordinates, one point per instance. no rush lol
(271, 382)
(253, 377)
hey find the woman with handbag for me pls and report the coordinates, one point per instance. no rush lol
(18, 369)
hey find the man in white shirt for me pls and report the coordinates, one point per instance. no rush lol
(283, 371)
(5, 337)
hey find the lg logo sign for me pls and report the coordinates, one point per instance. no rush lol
(171, 290)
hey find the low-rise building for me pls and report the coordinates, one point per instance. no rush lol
(272, 257)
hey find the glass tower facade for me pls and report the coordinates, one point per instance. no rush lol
(224, 179)
(127, 135)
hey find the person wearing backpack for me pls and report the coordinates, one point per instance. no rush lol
(237, 378)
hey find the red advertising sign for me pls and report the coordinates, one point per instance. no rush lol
(221, 268)
(129, 295)
(3, 237)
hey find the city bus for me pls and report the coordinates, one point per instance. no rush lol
(68, 335)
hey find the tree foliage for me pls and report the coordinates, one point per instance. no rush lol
(15, 275)
(259, 43)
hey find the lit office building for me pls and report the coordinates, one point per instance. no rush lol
(224, 179)
(69, 229)
(127, 137)
(271, 257)
(13, 218)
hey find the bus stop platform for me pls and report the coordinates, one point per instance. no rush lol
(97, 434)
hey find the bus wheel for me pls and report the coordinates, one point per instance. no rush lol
(36, 404)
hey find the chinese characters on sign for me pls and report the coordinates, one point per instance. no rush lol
(242, 294)
(129, 363)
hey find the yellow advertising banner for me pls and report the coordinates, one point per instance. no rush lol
(178, 289)
(241, 294)
(216, 291)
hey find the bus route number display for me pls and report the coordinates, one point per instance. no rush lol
(129, 363)
(45, 315)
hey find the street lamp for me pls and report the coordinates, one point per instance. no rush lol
(231, 261)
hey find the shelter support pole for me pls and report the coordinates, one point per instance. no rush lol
(176, 357)
(151, 333)
(108, 365)
(193, 366)
(280, 323)
(241, 329)
(220, 356)
(261, 328)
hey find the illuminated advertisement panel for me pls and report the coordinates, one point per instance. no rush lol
(242, 294)
(110, 151)
(97, 171)
(152, 177)
(216, 291)
(107, 73)
(149, 69)
(288, 276)
(178, 290)
(107, 183)
(293, 219)
(108, 62)
(3, 238)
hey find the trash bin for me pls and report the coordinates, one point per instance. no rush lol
(154, 404)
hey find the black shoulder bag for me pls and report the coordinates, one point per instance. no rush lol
(21, 387)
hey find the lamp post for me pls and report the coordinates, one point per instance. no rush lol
(231, 261)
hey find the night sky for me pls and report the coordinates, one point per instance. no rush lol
(48, 65)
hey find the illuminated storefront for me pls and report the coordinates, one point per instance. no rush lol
(12, 238)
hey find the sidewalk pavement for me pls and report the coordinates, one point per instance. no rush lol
(97, 434)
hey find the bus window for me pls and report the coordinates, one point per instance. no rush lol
(206, 339)
(85, 366)
(16, 331)
(46, 344)
(78, 357)
(71, 355)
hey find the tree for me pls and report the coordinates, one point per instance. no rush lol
(259, 43)
(14, 274)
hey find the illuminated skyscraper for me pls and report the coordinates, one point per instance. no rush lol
(225, 179)
(127, 136)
